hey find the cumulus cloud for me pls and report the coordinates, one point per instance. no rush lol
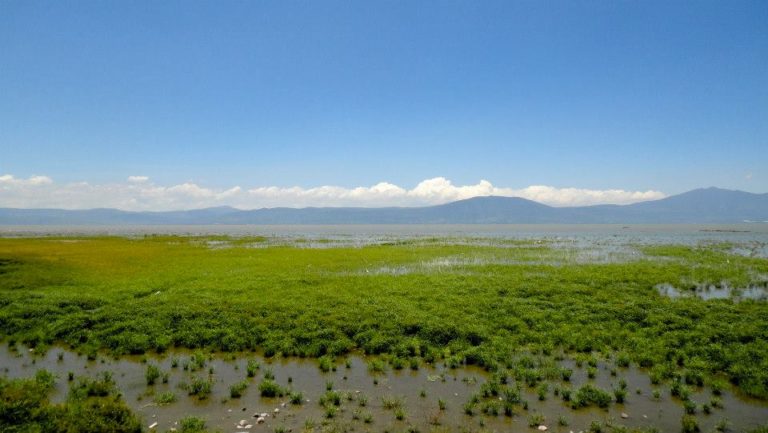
(140, 193)
(8, 181)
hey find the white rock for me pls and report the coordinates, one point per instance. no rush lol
(542, 428)
(259, 420)
(242, 422)
(277, 410)
(153, 425)
(624, 415)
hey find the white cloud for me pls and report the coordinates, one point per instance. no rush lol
(139, 193)
(8, 180)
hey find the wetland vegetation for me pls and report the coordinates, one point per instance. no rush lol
(474, 334)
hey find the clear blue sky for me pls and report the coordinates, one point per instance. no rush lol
(667, 95)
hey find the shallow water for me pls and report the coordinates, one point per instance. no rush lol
(711, 291)
(458, 385)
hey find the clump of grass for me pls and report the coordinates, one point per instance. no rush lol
(620, 394)
(588, 395)
(596, 427)
(717, 386)
(296, 397)
(722, 425)
(236, 390)
(400, 413)
(197, 361)
(689, 424)
(469, 408)
(566, 374)
(200, 388)
(414, 363)
(152, 374)
(191, 424)
(165, 398)
(678, 389)
(376, 366)
(690, 407)
(623, 360)
(331, 398)
(270, 388)
(591, 372)
(391, 402)
(326, 364)
(330, 411)
(542, 391)
(536, 419)
(252, 367)
(491, 408)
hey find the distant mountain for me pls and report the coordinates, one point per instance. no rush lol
(710, 205)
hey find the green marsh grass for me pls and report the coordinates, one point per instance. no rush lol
(144, 295)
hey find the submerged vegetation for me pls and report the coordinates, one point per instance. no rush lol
(485, 304)
(92, 405)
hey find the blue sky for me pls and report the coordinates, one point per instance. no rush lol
(598, 95)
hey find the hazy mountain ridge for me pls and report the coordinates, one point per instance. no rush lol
(710, 205)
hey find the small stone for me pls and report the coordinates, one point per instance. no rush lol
(153, 425)
(242, 422)
(277, 410)
(543, 428)
(624, 415)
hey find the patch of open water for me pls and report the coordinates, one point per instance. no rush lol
(711, 291)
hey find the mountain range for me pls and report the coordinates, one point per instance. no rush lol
(709, 205)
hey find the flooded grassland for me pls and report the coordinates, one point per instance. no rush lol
(385, 333)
